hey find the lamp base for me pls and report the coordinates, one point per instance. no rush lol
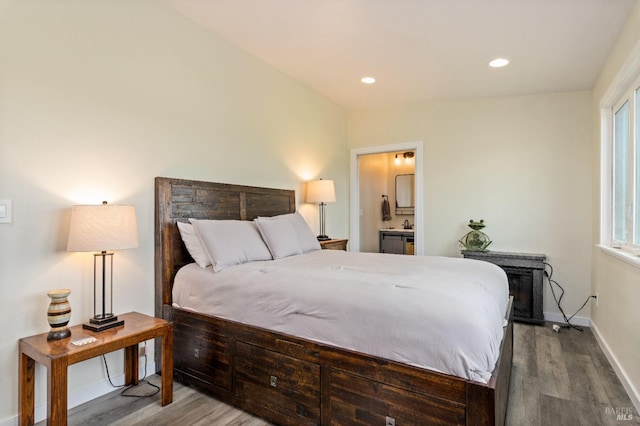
(102, 323)
(323, 238)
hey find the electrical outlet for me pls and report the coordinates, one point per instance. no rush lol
(142, 350)
(597, 299)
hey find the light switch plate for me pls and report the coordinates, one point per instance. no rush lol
(5, 211)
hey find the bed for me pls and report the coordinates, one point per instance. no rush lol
(294, 380)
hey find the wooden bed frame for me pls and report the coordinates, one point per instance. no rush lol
(289, 380)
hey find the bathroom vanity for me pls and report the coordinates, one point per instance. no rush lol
(397, 241)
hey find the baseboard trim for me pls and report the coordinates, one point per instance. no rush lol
(556, 317)
(633, 393)
(79, 396)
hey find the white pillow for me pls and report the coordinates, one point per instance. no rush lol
(308, 242)
(280, 236)
(287, 235)
(230, 242)
(193, 244)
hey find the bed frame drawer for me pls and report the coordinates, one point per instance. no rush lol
(282, 388)
(359, 401)
(203, 352)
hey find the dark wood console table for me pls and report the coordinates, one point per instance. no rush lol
(525, 273)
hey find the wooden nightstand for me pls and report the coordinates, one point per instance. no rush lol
(57, 355)
(335, 244)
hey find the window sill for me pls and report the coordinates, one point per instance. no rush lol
(630, 258)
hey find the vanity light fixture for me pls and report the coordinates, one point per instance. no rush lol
(408, 157)
(499, 63)
(396, 161)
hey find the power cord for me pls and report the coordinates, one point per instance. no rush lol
(157, 388)
(553, 282)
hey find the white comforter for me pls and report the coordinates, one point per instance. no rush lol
(444, 314)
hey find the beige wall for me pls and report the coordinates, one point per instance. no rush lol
(523, 164)
(373, 177)
(617, 317)
(99, 97)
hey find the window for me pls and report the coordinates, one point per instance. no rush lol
(621, 223)
(636, 163)
(620, 172)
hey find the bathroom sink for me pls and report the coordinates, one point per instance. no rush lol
(396, 230)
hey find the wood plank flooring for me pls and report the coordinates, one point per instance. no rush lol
(557, 379)
(564, 379)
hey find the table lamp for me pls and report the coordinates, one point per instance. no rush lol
(100, 229)
(321, 192)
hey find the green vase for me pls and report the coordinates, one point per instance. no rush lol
(475, 240)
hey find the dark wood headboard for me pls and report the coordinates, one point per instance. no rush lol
(177, 200)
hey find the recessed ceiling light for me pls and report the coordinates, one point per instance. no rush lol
(498, 63)
(368, 80)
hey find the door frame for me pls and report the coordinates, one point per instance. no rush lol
(354, 183)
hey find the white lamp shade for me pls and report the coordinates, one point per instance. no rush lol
(321, 191)
(102, 228)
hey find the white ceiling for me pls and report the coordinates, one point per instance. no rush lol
(421, 50)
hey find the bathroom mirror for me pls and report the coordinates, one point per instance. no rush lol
(405, 194)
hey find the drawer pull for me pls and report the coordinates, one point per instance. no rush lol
(273, 381)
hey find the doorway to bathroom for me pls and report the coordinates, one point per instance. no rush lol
(394, 171)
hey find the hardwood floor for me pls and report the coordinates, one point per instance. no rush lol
(557, 379)
(564, 379)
